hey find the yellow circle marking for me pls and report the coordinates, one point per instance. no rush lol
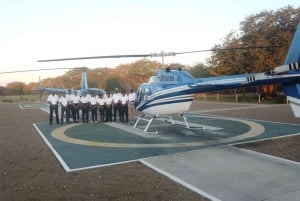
(255, 130)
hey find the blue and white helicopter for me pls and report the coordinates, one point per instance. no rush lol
(171, 92)
(84, 82)
(84, 85)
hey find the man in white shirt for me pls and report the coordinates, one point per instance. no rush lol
(116, 103)
(84, 101)
(69, 106)
(101, 104)
(64, 104)
(53, 101)
(108, 107)
(93, 107)
(131, 106)
(124, 107)
(75, 106)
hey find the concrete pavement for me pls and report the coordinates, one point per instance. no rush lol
(232, 174)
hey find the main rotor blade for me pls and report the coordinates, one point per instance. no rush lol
(31, 70)
(98, 57)
(154, 54)
(234, 48)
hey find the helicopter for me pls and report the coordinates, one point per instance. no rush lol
(84, 83)
(171, 92)
(84, 86)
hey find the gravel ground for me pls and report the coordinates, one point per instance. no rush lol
(29, 170)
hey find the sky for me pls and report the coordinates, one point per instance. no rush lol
(33, 30)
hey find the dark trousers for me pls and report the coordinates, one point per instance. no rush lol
(53, 108)
(124, 113)
(62, 113)
(108, 113)
(117, 108)
(68, 113)
(85, 113)
(75, 112)
(94, 112)
(102, 112)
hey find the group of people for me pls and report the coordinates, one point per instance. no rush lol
(118, 106)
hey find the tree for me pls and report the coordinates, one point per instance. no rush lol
(199, 70)
(136, 73)
(3, 91)
(112, 83)
(267, 28)
(15, 88)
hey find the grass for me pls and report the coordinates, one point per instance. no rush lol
(21, 98)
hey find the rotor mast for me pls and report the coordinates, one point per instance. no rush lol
(163, 54)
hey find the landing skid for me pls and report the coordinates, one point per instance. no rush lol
(143, 118)
(171, 121)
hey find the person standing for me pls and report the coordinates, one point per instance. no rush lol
(108, 105)
(53, 101)
(93, 107)
(75, 106)
(84, 101)
(69, 96)
(116, 103)
(124, 107)
(64, 105)
(101, 105)
(131, 105)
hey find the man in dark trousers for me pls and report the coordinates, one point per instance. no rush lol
(53, 100)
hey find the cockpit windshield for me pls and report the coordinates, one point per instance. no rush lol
(143, 92)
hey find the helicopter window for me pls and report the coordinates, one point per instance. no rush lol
(167, 78)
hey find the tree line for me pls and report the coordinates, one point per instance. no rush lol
(269, 31)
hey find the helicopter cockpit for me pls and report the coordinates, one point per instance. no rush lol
(162, 80)
(143, 92)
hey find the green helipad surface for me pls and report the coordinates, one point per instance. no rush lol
(81, 146)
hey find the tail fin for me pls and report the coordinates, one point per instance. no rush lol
(84, 83)
(292, 90)
(41, 89)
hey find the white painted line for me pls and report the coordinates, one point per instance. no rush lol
(266, 155)
(180, 181)
(104, 165)
(59, 158)
(261, 140)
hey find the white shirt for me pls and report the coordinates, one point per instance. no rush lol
(93, 100)
(116, 97)
(84, 99)
(108, 100)
(124, 99)
(75, 99)
(63, 101)
(100, 101)
(88, 96)
(53, 99)
(69, 98)
(132, 97)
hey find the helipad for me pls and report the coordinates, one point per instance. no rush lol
(82, 146)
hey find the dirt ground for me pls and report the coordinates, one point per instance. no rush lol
(30, 171)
